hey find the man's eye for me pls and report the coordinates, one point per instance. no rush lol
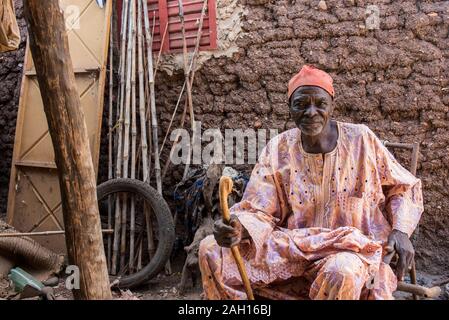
(322, 105)
(300, 106)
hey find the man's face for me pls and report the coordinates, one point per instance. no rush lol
(311, 108)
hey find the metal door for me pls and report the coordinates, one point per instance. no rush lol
(34, 200)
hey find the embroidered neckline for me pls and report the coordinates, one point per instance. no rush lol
(301, 149)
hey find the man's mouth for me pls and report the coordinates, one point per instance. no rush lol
(310, 124)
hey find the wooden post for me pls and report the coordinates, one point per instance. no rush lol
(50, 50)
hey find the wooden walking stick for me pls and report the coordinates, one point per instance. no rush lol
(225, 189)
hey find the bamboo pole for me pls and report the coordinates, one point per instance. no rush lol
(126, 147)
(147, 112)
(127, 267)
(147, 93)
(143, 129)
(186, 69)
(191, 70)
(150, 235)
(172, 118)
(176, 141)
(139, 257)
(129, 62)
(188, 85)
(115, 246)
(154, 125)
(160, 51)
(122, 69)
(147, 118)
(152, 31)
(110, 123)
(143, 118)
(190, 78)
(133, 146)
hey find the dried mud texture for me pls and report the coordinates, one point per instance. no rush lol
(11, 65)
(394, 79)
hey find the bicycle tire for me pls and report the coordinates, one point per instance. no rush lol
(164, 219)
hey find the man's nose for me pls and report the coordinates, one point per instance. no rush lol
(311, 111)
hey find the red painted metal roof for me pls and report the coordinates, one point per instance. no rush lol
(166, 13)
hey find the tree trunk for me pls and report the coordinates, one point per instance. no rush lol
(50, 50)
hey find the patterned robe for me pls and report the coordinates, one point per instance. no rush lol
(317, 223)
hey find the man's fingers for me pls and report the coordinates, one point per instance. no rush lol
(224, 244)
(224, 235)
(401, 266)
(223, 227)
(390, 246)
(229, 242)
(235, 242)
(410, 257)
(227, 229)
(233, 219)
(235, 222)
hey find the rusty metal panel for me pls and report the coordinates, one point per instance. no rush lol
(34, 201)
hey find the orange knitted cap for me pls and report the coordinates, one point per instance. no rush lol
(311, 76)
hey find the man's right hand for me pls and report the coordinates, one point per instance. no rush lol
(229, 235)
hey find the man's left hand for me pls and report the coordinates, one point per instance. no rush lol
(404, 248)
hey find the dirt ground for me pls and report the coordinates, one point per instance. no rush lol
(165, 287)
(162, 287)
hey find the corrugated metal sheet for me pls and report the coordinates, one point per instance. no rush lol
(166, 13)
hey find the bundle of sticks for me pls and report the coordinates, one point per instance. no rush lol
(134, 150)
(136, 85)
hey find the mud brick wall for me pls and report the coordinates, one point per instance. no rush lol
(394, 79)
(11, 65)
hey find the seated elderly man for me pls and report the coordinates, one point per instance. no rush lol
(322, 203)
